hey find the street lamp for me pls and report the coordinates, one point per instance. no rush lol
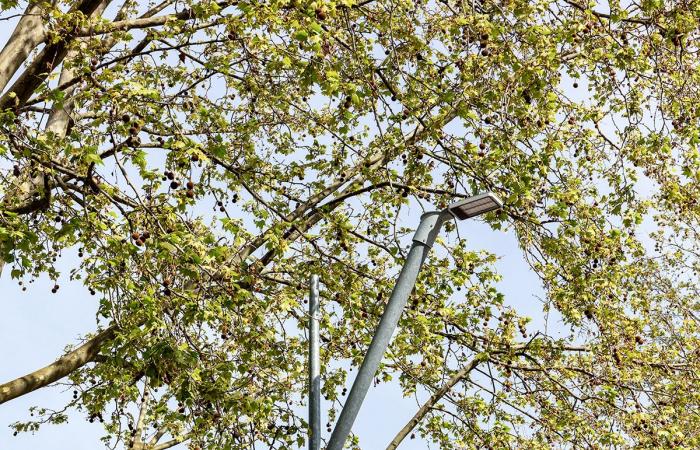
(314, 367)
(475, 206)
(423, 239)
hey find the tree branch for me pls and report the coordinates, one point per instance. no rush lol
(354, 175)
(142, 22)
(28, 33)
(50, 57)
(137, 443)
(436, 397)
(171, 443)
(57, 370)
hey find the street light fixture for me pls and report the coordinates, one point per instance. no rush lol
(475, 206)
(423, 240)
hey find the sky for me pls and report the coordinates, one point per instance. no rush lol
(36, 326)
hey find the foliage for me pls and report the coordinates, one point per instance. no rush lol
(217, 154)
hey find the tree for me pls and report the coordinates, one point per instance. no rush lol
(205, 158)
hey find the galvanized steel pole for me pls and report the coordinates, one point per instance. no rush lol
(423, 240)
(314, 367)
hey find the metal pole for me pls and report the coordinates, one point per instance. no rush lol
(423, 240)
(314, 368)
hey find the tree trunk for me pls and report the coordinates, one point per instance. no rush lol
(27, 35)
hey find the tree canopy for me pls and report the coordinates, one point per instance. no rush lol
(202, 159)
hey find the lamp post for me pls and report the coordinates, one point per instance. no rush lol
(423, 239)
(314, 368)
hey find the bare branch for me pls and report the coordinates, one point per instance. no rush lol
(57, 370)
(426, 407)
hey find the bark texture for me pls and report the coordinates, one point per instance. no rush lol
(28, 33)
